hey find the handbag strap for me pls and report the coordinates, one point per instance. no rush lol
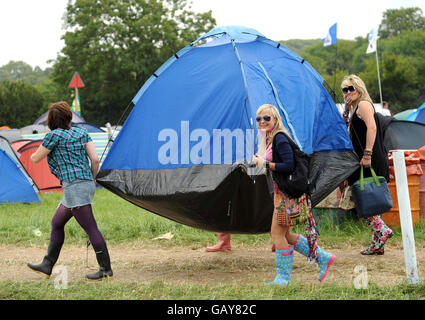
(375, 177)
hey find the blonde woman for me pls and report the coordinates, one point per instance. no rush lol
(287, 211)
(369, 148)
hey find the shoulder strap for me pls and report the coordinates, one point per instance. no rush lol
(291, 142)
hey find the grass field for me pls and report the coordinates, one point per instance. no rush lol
(123, 224)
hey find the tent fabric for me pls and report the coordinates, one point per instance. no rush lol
(13, 135)
(404, 135)
(185, 148)
(40, 171)
(404, 114)
(88, 127)
(15, 185)
(418, 115)
(8, 148)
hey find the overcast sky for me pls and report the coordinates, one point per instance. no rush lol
(30, 30)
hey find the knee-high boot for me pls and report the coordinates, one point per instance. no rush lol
(46, 266)
(102, 257)
(284, 263)
(324, 259)
(380, 234)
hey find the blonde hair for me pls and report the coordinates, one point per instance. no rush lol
(357, 83)
(264, 140)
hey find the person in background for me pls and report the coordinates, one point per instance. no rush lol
(67, 150)
(385, 109)
(224, 243)
(287, 211)
(369, 148)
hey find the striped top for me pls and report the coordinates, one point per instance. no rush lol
(68, 159)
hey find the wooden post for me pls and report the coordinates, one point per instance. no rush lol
(405, 217)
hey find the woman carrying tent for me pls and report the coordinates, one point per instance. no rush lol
(369, 148)
(67, 149)
(281, 159)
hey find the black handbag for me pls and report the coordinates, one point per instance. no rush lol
(371, 195)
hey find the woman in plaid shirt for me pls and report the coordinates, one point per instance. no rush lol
(67, 150)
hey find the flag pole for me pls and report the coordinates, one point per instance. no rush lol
(377, 67)
(336, 56)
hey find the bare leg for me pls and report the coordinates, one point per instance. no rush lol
(278, 233)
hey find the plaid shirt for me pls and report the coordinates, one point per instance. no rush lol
(68, 159)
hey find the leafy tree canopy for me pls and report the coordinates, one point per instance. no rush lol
(396, 21)
(19, 70)
(20, 103)
(116, 45)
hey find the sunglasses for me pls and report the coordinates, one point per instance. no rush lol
(346, 89)
(265, 118)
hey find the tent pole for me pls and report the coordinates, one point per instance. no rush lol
(247, 93)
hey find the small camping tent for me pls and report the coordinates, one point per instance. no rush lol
(418, 115)
(404, 114)
(184, 150)
(15, 183)
(40, 171)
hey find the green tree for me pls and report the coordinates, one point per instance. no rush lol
(116, 45)
(19, 70)
(398, 80)
(20, 103)
(396, 21)
(411, 47)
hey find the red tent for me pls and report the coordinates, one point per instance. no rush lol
(39, 172)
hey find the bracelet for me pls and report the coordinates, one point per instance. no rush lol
(367, 152)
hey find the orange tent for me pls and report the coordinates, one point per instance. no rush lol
(39, 172)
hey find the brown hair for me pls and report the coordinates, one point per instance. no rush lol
(60, 116)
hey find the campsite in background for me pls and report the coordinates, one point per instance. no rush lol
(176, 161)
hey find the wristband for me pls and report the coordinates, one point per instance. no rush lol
(367, 152)
(267, 165)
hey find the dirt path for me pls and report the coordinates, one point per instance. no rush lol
(183, 265)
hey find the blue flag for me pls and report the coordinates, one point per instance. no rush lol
(330, 38)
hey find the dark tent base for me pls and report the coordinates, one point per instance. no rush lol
(220, 198)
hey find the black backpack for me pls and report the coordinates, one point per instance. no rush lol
(296, 183)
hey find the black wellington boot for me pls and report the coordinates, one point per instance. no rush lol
(49, 260)
(102, 256)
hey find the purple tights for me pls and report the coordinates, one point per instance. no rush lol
(85, 218)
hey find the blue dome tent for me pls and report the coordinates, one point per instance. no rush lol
(184, 150)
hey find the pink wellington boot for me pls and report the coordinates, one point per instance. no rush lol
(222, 245)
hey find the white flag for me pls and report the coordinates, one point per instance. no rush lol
(330, 38)
(373, 36)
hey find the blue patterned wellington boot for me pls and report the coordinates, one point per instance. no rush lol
(324, 259)
(284, 262)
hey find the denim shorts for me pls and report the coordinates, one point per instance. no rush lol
(78, 193)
